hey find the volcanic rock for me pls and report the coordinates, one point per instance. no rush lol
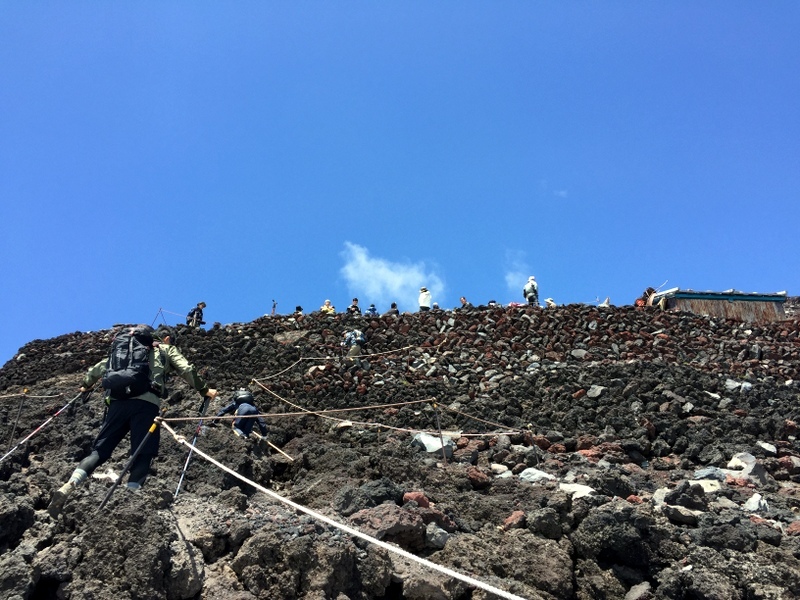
(609, 430)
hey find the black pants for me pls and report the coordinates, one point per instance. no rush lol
(124, 416)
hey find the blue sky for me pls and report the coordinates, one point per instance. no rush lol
(156, 154)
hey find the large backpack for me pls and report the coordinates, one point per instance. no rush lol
(128, 369)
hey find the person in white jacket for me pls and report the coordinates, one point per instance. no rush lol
(531, 291)
(424, 299)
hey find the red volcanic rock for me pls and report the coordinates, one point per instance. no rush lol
(418, 497)
(477, 478)
(515, 521)
(541, 441)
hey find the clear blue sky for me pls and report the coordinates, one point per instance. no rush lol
(155, 154)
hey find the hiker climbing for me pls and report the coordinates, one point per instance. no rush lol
(531, 291)
(371, 311)
(195, 316)
(134, 375)
(355, 340)
(465, 304)
(244, 408)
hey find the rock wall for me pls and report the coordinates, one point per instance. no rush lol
(592, 459)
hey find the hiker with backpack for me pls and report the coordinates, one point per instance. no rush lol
(531, 291)
(195, 316)
(243, 406)
(134, 375)
(355, 340)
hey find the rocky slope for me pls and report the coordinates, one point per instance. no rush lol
(597, 453)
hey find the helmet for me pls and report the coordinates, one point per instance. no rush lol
(243, 396)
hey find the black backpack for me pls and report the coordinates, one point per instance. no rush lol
(128, 369)
(242, 397)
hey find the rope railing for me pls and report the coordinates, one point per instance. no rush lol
(346, 528)
(29, 396)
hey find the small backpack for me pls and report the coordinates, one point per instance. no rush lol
(128, 369)
(359, 337)
(242, 397)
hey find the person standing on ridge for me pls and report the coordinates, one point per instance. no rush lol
(135, 375)
(531, 291)
(424, 299)
(195, 316)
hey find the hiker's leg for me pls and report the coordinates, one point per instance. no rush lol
(111, 433)
(245, 425)
(142, 419)
(139, 470)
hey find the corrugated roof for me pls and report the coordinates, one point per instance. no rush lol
(726, 295)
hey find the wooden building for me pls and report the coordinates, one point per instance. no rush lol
(730, 304)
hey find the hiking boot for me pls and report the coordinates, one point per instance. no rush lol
(59, 498)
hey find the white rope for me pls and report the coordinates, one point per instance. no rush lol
(29, 396)
(354, 532)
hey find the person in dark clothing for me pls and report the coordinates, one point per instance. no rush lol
(195, 316)
(131, 410)
(243, 406)
(354, 309)
(393, 310)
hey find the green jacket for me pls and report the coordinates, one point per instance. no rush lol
(164, 359)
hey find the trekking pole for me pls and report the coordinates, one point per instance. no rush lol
(203, 408)
(127, 468)
(40, 427)
(441, 437)
(271, 445)
(16, 421)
